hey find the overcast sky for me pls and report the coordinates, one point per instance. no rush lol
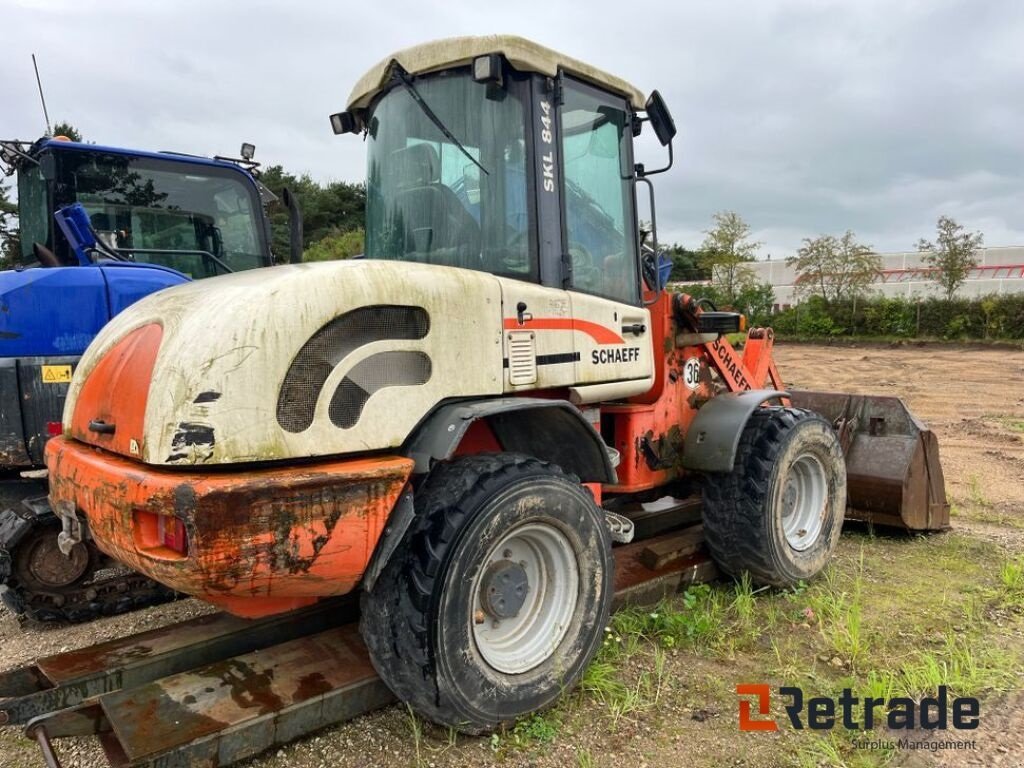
(806, 117)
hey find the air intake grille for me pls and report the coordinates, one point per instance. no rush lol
(385, 369)
(522, 358)
(321, 354)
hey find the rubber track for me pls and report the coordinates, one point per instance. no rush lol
(109, 597)
(733, 503)
(394, 616)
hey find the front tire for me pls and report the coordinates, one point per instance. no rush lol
(777, 516)
(497, 597)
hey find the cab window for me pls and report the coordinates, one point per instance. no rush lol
(33, 218)
(426, 200)
(598, 193)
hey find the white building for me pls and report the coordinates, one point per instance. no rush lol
(1000, 270)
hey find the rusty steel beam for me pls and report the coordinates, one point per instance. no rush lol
(236, 708)
(185, 695)
(66, 679)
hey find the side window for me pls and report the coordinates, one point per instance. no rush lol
(598, 194)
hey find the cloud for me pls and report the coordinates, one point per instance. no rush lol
(805, 117)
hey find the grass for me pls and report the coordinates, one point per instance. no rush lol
(416, 730)
(902, 614)
(891, 616)
(977, 493)
(1011, 577)
(840, 614)
(1011, 423)
(531, 733)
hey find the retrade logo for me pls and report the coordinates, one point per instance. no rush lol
(822, 713)
(763, 694)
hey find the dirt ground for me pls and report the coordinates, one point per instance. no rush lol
(684, 710)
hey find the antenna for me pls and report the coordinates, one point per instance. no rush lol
(42, 98)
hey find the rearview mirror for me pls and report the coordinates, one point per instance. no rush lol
(344, 122)
(661, 118)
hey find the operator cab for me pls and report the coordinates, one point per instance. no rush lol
(499, 155)
(198, 216)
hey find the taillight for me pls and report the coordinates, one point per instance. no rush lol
(171, 532)
(160, 536)
(54, 428)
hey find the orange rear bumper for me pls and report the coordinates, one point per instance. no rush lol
(259, 541)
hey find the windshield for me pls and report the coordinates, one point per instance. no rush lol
(165, 211)
(426, 200)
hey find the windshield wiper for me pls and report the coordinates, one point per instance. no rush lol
(404, 79)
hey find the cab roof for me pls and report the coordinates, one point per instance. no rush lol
(522, 54)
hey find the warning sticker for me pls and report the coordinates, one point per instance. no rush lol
(56, 374)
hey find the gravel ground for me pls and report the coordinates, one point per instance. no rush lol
(954, 390)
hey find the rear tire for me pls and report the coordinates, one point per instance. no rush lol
(496, 598)
(777, 516)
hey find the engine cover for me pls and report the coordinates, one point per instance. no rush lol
(293, 361)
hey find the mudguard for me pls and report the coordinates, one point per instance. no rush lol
(551, 430)
(714, 436)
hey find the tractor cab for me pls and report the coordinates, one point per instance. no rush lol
(199, 216)
(100, 228)
(496, 154)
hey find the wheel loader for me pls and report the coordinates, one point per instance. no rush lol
(462, 423)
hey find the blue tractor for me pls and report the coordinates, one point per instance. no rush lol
(100, 227)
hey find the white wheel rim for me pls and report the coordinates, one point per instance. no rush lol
(803, 502)
(519, 643)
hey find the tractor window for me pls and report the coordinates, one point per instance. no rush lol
(167, 212)
(426, 201)
(33, 218)
(598, 194)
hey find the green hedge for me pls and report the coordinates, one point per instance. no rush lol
(988, 317)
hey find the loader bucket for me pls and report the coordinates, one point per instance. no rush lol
(894, 477)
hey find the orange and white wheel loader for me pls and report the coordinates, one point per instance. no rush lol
(447, 423)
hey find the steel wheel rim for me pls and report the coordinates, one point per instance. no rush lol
(520, 643)
(804, 497)
(50, 567)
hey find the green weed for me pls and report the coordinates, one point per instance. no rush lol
(1012, 575)
(538, 728)
(840, 613)
(416, 727)
(977, 492)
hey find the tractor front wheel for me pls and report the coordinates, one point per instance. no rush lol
(497, 597)
(778, 514)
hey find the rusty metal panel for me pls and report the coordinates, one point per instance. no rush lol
(68, 678)
(275, 695)
(636, 584)
(260, 541)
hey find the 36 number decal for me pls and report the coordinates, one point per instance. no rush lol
(691, 372)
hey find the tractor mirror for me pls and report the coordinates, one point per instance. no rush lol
(48, 166)
(661, 118)
(344, 122)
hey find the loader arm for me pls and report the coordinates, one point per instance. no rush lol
(892, 459)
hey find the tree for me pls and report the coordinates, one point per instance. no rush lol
(953, 254)
(835, 268)
(326, 209)
(64, 128)
(336, 245)
(686, 265)
(726, 251)
(9, 245)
